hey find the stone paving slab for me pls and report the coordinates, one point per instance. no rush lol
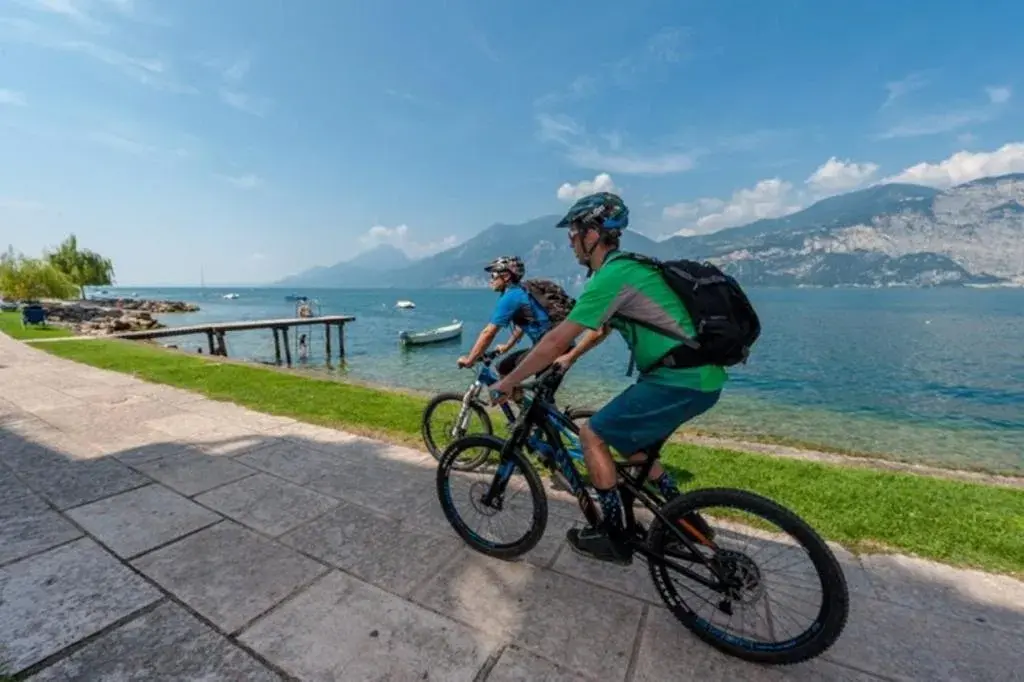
(903, 643)
(56, 598)
(670, 652)
(142, 519)
(168, 644)
(75, 483)
(32, 528)
(229, 574)
(267, 504)
(516, 665)
(191, 472)
(330, 559)
(343, 629)
(971, 595)
(543, 612)
(373, 547)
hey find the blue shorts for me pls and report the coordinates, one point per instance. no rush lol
(644, 415)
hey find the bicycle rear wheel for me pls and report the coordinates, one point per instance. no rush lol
(751, 585)
(478, 483)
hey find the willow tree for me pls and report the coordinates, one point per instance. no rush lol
(24, 278)
(82, 266)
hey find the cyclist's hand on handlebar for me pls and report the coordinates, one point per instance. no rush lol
(564, 362)
(465, 361)
(500, 393)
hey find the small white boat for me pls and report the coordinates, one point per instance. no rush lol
(405, 304)
(445, 333)
(230, 297)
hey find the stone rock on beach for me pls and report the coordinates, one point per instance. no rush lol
(99, 317)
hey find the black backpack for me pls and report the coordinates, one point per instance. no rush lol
(552, 297)
(725, 322)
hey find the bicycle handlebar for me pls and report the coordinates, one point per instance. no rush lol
(544, 379)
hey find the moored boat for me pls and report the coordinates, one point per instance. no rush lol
(444, 333)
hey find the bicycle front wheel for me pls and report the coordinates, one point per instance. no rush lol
(511, 487)
(440, 427)
(773, 572)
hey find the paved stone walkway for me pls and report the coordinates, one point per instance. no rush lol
(148, 533)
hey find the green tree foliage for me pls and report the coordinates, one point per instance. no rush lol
(24, 278)
(82, 266)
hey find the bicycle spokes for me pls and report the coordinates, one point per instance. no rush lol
(742, 576)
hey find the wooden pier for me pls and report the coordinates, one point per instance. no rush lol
(215, 333)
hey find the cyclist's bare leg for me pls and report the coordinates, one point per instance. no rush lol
(598, 457)
(655, 475)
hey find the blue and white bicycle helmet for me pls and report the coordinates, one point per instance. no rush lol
(602, 211)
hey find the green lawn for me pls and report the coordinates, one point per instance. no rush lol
(965, 524)
(10, 324)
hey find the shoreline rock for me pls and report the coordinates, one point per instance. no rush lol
(150, 306)
(100, 317)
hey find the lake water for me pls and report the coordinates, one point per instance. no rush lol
(923, 375)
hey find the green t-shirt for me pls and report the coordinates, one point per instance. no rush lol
(630, 288)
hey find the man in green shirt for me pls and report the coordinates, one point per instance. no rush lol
(642, 417)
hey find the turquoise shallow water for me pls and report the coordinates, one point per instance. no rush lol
(923, 375)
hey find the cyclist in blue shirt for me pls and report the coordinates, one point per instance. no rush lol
(515, 307)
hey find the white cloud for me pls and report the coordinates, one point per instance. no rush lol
(904, 86)
(965, 166)
(999, 94)
(601, 183)
(232, 73)
(13, 98)
(399, 238)
(774, 197)
(250, 104)
(247, 181)
(584, 150)
(68, 9)
(153, 72)
(771, 198)
(952, 118)
(835, 176)
(938, 123)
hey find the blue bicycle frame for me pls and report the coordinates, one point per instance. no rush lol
(485, 378)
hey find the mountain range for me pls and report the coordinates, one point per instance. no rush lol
(885, 235)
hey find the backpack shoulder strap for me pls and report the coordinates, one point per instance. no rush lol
(640, 258)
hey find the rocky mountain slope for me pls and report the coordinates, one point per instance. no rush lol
(887, 235)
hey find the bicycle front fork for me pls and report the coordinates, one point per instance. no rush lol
(462, 422)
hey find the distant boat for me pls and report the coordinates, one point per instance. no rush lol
(296, 297)
(230, 296)
(445, 333)
(405, 304)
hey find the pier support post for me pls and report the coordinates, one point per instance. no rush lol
(327, 342)
(277, 346)
(341, 341)
(222, 346)
(287, 346)
(209, 339)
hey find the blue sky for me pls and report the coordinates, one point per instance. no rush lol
(258, 138)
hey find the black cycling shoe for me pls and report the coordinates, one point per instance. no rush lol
(595, 543)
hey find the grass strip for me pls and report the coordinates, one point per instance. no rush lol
(10, 324)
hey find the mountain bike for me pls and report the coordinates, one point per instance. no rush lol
(469, 406)
(679, 541)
